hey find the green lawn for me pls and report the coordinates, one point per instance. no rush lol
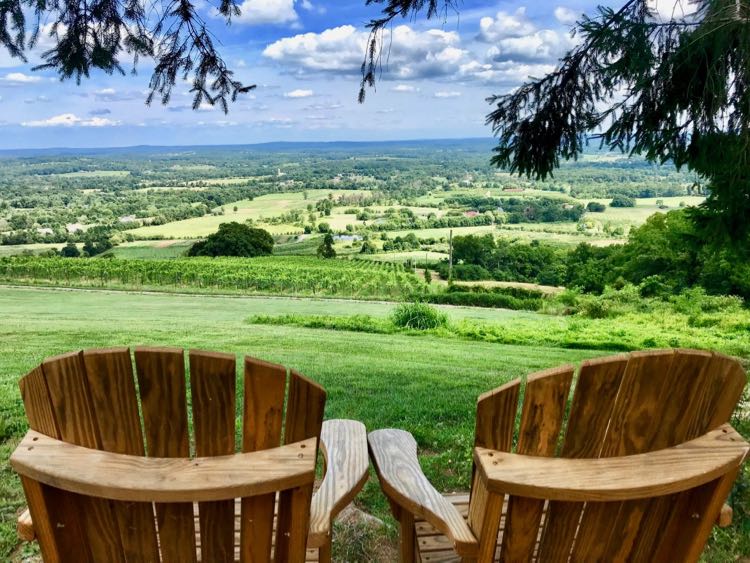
(382, 380)
(427, 384)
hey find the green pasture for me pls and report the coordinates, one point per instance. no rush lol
(262, 207)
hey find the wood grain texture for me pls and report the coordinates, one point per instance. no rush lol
(212, 383)
(394, 454)
(344, 447)
(263, 407)
(656, 473)
(109, 375)
(55, 512)
(304, 419)
(172, 480)
(161, 383)
(37, 403)
(71, 405)
(645, 384)
(544, 403)
(594, 397)
(496, 417)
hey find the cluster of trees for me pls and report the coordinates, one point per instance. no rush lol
(522, 210)
(400, 243)
(663, 256)
(234, 239)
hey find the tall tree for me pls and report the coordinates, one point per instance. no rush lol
(673, 88)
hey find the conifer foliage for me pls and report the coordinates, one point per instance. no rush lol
(673, 86)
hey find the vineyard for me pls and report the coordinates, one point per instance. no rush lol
(274, 275)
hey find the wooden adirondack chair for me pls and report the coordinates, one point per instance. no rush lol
(99, 488)
(640, 473)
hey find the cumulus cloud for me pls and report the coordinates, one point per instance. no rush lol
(71, 120)
(99, 112)
(265, 12)
(411, 54)
(405, 88)
(505, 25)
(19, 78)
(37, 100)
(514, 37)
(447, 94)
(299, 93)
(565, 15)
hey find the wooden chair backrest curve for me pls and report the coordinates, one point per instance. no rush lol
(621, 405)
(94, 399)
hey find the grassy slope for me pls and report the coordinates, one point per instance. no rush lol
(379, 379)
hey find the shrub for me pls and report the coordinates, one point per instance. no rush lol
(418, 316)
(595, 207)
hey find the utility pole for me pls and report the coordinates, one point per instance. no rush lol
(450, 256)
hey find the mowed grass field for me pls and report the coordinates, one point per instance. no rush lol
(262, 207)
(383, 380)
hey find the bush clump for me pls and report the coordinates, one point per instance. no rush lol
(418, 316)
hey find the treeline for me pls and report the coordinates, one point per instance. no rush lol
(662, 257)
(522, 210)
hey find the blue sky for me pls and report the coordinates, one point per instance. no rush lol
(304, 55)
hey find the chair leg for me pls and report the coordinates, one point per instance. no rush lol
(408, 537)
(324, 552)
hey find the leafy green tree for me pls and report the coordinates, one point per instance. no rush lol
(622, 201)
(674, 89)
(326, 250)
(70, 250)
(234, 239)
(595, 207)
(97, 240)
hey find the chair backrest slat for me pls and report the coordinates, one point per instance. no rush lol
(263, 409)
(212, 382)
(594, 397)
(69, 396)
(161, 382)
(59, 529)
(109, 376)
(304, 419)
(545, 398)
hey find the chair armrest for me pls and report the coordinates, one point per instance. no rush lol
(657, 473)
(394, 454)
(151, 479)
(344, 447)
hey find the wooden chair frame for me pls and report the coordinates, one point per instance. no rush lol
(93, 495)
(644, 465)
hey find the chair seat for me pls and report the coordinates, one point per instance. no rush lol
(434, 547)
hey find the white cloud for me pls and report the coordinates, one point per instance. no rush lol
(505, 25)
(20, 78)
(299, 93)
(404, 88)
(447, 94)
(263, 12)
(543, 45)
(408, 54)
(565, 15)
(71, 120)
